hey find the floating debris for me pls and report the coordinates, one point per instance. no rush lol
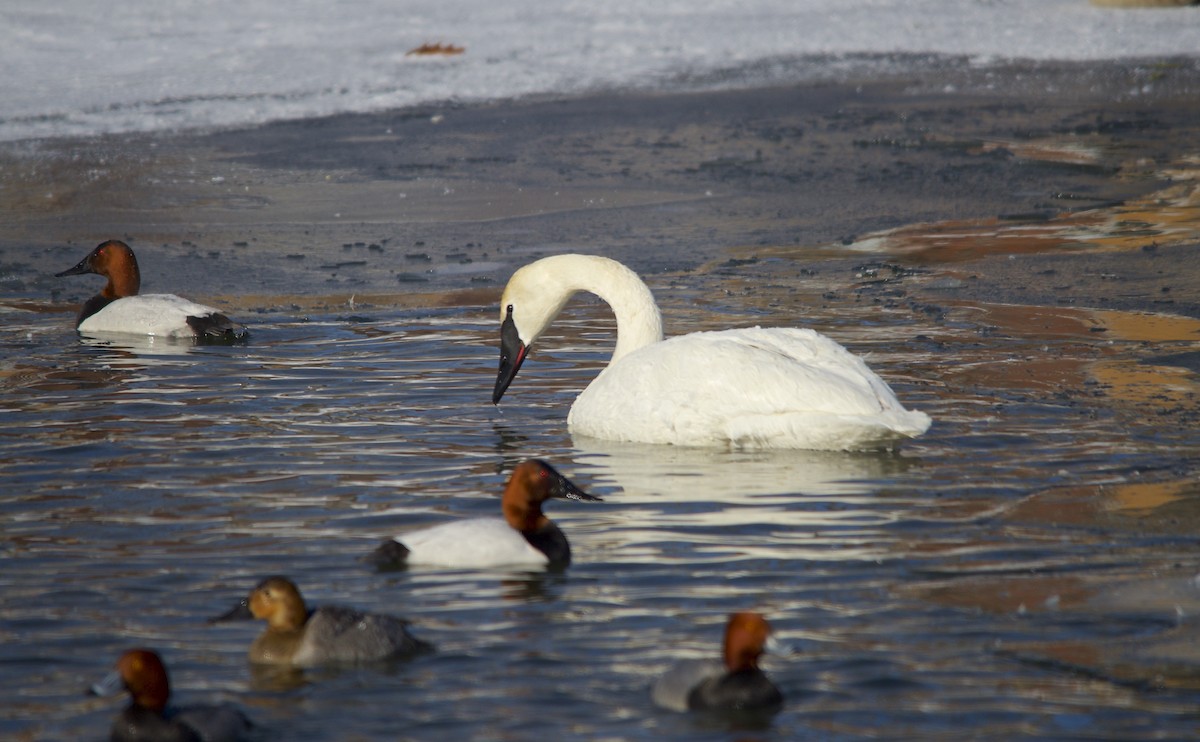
(434, 50)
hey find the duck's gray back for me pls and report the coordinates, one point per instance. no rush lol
(334, 634)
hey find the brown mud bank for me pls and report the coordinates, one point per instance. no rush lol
(442, 198)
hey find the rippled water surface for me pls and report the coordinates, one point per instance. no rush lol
(1025, 569)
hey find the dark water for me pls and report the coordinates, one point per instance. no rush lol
(1023, 570)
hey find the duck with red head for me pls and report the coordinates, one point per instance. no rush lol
(142, 674)
(524, 537)
(119, 308)
(735, 683)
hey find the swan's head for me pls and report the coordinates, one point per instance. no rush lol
(531, 301)
(537, 293)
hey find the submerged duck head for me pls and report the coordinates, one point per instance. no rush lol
(275, 600)
(140, 672)
(115, 261)
(532, 483)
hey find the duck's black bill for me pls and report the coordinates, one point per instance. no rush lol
(512, 355)
(571, 492)
(566, 489)
(83, 266)
(240, 612)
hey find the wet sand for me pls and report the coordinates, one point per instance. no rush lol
(405, 206)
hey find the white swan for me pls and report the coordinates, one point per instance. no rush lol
(768, 388)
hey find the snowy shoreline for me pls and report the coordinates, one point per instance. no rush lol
(82, 69)
(1135, 78)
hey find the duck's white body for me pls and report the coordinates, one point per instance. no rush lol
(524, 537)
(160, 315)
(472, 543)
(765, 388)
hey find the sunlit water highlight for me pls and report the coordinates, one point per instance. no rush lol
(147, 487)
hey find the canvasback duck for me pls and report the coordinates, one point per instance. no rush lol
(748, 388)
(149, 719)
(732, 684)
(119, 308)
(524, 537)
(328, 635)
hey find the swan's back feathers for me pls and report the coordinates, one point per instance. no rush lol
(770, 388)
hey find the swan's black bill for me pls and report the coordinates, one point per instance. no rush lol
(512, 355)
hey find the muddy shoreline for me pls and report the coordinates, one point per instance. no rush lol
(410, 206)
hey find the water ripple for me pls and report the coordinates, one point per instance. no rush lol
(146, 486)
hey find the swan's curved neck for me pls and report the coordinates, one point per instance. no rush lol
(553, 280)
(639, 323)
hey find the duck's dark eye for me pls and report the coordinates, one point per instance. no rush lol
(508, 311)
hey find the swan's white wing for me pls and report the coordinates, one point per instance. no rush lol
(774, 388)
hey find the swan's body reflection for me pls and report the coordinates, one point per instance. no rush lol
(679, 472)
(746, 502)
